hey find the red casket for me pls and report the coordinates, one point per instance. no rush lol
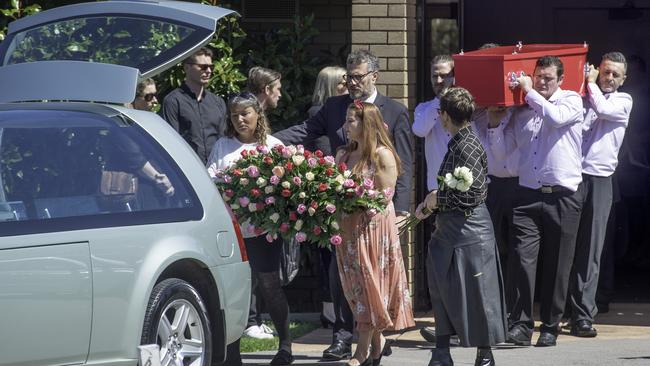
(486, 73)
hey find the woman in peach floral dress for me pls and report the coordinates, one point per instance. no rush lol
(370, 258)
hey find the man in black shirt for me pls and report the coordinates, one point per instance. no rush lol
(196, 114)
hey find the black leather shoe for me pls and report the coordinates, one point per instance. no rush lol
(429, 335)
(519, 336)
(484, 357)
(546, 339)
(583, 328)
(338, 351)
(441, 357)
(282, 358)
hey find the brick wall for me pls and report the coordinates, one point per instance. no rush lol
(388, 29)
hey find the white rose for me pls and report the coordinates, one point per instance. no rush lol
(235, 206)
(463, 186)
(252, 207)
(302, 195)
(450, 181)
(268, 189)
(309, 176)
(334, 225)
(311, 211)
(275, 217)
(225, 197)
(339, 179)
(338, 188)
(347, 173)
(243, 181)
(261, 182)
(298, 225)
(286, 185)
(298, 159)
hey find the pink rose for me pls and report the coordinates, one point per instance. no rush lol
(359, 191)
(263, 149)
(330, 208)
(278, 171)
(270, 200)
(301, 208)
(227, 178)
(300, 237)
(336, 240)
(330, 160)
(372, 193)
(284, 227)
(368, 183)
(317, 230)
(297, 181)
(348, 183)
(253, 172)
(274, 180)
(244, 201)
(312, 162)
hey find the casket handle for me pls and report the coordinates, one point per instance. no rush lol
(512, 77)
(518, 48)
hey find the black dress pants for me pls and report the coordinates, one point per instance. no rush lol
(344, 324)
(589, 246)
(548, 221)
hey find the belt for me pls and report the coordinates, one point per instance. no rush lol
(552, 189)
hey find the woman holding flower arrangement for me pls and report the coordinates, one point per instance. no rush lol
(464, 274)
(369, 257)
(247, 131)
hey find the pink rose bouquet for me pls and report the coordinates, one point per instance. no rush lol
(294, 193)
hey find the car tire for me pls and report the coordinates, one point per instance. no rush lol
(177, 320)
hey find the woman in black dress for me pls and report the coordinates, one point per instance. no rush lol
(464, 274)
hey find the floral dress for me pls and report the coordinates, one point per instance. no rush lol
(372, 272)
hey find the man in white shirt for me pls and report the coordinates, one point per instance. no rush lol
(548, 134)
(606, 118)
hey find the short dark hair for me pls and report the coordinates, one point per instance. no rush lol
(488, 45)
(442, 59)
(361, 56)
(615, 56)
(458, 103)
(548, 61)
(203, 51)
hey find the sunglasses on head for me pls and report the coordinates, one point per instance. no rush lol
(149, 96)
(242, 95)
(203, 67)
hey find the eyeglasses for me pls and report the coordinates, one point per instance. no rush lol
(203, 67)
(149, 97)
(356, 78)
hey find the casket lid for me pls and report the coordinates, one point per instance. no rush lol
(526, 51)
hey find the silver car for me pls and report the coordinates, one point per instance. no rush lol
(95, 258)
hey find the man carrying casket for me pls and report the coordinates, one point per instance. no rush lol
(548, 134)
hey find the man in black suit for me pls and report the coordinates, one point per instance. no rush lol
(362, 74)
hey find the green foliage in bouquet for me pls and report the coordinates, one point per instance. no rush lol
(294, 193)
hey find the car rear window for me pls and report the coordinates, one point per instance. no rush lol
(63, 170)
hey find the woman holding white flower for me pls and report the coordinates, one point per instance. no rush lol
(249, 130)
(464, 274)
(369, 257)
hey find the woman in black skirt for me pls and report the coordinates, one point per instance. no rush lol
(464, 274)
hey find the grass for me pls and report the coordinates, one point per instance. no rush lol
(296, 329)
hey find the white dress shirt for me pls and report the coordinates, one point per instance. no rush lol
(603, 130)
(427, 124)
(548, 134)
(502, 165)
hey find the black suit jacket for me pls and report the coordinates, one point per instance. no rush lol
(329, 122)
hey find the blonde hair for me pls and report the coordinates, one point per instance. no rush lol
(260, 77)
(374, 134)
(328, 79)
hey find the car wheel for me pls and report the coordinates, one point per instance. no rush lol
(178, 322)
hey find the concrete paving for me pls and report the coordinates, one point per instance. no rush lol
(623, 339)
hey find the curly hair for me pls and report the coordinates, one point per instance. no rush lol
(242, 101)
